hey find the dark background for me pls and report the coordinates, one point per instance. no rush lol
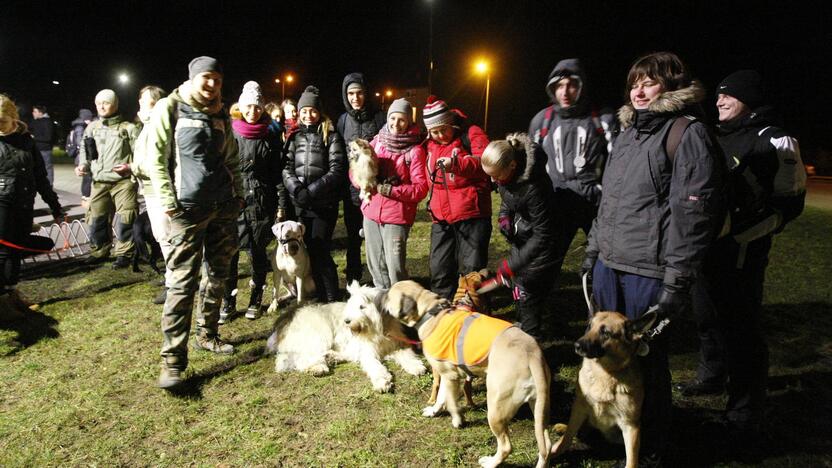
(84, 45)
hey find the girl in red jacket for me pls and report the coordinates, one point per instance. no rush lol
(460, 201)
(389, 213)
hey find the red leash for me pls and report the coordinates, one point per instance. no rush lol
(20, 247)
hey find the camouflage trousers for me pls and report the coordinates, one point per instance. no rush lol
(201, 234)
(112, 201)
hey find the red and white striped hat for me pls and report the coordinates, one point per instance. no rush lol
(436, 113)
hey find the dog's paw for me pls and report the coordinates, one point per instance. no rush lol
(457, 422)
(431, 411)
(318, 369)
(383, 385)
(488, 462)
(272, 307)
(414, 367)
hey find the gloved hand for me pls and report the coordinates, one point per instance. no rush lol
(302, 197)
(506, 229)
(502, 278)
(672, 302)
(385, 189)
(589, 264)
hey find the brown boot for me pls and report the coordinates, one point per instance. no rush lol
(212, 343)
(171, 375)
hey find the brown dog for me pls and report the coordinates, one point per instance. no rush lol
(514, 368)
(610, 389)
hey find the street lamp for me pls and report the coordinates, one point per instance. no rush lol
(288, 79)
(482, 68)
(123, 78)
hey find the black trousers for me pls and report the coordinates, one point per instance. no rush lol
(320, 224)
(457, 249)
(255, 235)
(736, 293)
(573, 212)
(353, 220)
(15, 224)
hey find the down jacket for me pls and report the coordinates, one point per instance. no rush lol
(657, 218)
(468, 195)
(527, 203)
(315, 164)
(409, 166)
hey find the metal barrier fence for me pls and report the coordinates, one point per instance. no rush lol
(71, 240)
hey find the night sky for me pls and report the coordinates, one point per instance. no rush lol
(85, 44)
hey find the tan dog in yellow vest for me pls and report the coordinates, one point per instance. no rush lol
(512, 362)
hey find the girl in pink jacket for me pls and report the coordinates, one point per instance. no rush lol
(390, 211)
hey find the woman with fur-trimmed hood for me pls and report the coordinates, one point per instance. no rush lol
(657, 216)
(527, 221)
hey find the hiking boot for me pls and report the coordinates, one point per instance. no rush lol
(212, 343)
(170, 376)
(229, 309)
(121, 262)
(161, 297)
(697, 387)
(255, 303)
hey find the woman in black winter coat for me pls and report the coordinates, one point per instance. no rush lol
(314, 175)
(260, 168)
(22, 174)
(526, 220)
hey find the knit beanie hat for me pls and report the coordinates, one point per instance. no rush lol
(437, 114)
(354, 86)
(203, 64)
(85, 114)
(745, 85)
(107, 95)
(251, 95)
(310, 98)
(400, 105)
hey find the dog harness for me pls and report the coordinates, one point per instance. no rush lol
(463, 337)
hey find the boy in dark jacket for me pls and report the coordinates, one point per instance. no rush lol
(527, 221)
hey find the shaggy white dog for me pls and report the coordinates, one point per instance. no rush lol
(312, 337)
(364, 167)
(290, 263)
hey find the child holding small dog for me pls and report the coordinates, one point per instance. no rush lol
(316, 167)
(389, 213)
(526, 219)
(260, 167)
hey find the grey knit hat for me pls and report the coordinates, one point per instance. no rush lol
(107, 95)
(251, 94)
(203, 64)
(355, 85)
(311, 97)
(401, 105)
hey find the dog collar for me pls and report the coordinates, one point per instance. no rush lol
(286, 241)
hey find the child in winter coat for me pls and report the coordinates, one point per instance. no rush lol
(260, 167)
(460, 196)
(527, 221)
(389, 213)
(314, 177)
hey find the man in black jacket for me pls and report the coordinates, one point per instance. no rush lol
(360, 120)
(768, 186)
(43, 129)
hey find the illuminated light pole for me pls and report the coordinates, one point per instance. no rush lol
(287, 79)
(123, 78)
(483, 69)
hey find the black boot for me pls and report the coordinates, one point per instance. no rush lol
(254, 304)
(229, 309)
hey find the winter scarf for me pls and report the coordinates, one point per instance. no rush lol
(256, 131)
(193, 99)
(401, 142)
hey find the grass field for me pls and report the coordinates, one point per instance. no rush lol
(78, 381)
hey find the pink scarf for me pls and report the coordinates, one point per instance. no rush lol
(255, 131)
(402, 142)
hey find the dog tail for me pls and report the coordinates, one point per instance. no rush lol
(541, 375)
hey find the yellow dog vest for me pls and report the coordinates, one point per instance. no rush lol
(463, 337)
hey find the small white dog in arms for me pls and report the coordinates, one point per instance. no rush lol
(364, 167)
(290, 263)
(311, 337)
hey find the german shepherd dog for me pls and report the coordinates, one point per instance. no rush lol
(147, 249)
(610, 388)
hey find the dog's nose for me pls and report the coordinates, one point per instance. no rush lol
(347, 321)
(578, 347)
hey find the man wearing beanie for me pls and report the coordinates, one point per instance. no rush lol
(189, 132)
(107, 143)
(768, 185)
(361, 120)
(575, 150)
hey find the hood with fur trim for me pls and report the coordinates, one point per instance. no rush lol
(669, 102)
(530, 161)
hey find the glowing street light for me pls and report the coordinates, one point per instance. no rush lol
(287, 79)
(482, 68)
(56, 82)
(123, 78)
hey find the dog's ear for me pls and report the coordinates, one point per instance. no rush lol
(637, 327)
(276, 229)
(302, 229)
(380, 301)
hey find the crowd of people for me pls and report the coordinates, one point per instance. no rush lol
(678, 213)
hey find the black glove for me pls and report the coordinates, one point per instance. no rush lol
(302, 198)
(672, 302)
(588, 264)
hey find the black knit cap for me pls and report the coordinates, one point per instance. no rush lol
(310, 98)
(203, 64)
(745, 85)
